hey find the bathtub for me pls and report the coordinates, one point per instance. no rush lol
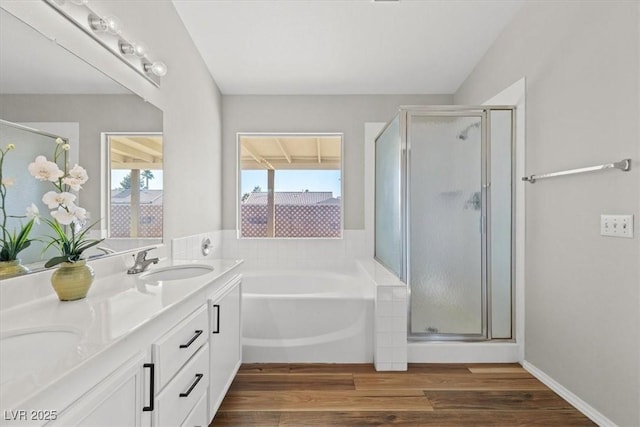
(307, 316)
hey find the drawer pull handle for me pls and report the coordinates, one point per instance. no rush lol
(151, 367)
(217, 307)
(193, 338)
(195, 383)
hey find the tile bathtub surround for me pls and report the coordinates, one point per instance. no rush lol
(390, 353)
(274, 253)
(189, 247)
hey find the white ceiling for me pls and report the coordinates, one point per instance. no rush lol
(343, 46)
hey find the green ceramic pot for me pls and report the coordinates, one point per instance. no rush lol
(11, 268)
(72, 280)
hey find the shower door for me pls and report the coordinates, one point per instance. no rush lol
(446, 235)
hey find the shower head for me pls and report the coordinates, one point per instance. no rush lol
(465, 132)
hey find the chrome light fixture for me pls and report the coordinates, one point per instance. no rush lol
(138, 49)
(158, 68)
(110, 24)
(108, 31)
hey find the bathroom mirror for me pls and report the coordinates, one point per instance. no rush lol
(53, 92)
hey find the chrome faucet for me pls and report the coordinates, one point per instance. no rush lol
(142, 263)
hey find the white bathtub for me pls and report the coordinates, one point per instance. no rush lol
(307, 316)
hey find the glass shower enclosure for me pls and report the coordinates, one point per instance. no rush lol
(444, 218)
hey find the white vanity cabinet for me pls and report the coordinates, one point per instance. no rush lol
(225, 341)
(118, 400)
(136, 365)
(181, 359)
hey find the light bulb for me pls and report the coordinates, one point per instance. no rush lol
(140, 49)
(97, 24)
(79, 2)
(126, 48)
(158, 68)
(114, 25)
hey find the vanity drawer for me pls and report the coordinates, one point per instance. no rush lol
(184, 392)
(179, 344)
(197, 417)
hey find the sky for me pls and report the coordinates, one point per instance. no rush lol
(294, 180)
(285, 180)
(118, 174)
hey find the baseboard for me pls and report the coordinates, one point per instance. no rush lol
(567, 395)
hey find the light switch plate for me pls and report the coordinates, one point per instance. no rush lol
(616, 225)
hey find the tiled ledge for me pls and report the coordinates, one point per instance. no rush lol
(390, 318)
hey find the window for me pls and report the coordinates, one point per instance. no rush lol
(290, 185)
(134, 211)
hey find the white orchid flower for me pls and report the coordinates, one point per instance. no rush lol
(54, 200)
(59, 141)
(74, 183)
(44, 170)
(71, 213)
(8, 181)
(33, 213)
(80, 214)
(76, 177)
(79, 173)
(63, 216)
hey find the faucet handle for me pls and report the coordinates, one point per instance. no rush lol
(142, 255)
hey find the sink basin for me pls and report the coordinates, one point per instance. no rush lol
(176, 272)
(23, 351)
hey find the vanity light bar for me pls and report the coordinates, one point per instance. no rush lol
(107, 30)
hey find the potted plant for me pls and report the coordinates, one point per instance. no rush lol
(12, 242)
(74, 277)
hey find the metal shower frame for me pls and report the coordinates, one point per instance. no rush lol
(406, 113)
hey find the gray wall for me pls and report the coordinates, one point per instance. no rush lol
(192, 106)
(581, 62)
(339, 113)
(189, 97)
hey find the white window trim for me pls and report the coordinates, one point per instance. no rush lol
(239, 183)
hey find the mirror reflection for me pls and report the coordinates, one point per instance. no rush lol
(57, 95)
(20, 193)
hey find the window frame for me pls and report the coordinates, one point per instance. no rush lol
(105, 178)
(238, 202)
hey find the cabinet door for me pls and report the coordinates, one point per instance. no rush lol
(116, 401)
(226, 343)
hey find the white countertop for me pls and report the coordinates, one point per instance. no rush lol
(116, 306)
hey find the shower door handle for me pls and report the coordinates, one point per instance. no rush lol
(483, 224)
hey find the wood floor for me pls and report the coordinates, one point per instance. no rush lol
(269, 395)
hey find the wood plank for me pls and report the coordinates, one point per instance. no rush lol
(333, 368)
(336, 400)
(436, 418)
(498, 370)
(492, 365)
(437, 368)
(386, 381)
(246, 419)
(264, 368)
(306, 368)
(496, 400)
(293, 382)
